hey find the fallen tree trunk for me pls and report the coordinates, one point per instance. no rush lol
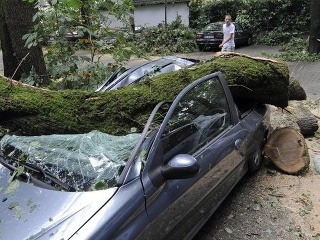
(34, 111)
(296, 91)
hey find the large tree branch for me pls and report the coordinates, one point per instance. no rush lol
(35, 111)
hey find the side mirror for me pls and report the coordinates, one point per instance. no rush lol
(180, 167)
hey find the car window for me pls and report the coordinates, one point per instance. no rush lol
(213, 27)
(201, 115)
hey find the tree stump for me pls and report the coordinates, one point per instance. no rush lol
(287, 149)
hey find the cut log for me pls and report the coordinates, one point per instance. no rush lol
(296, 91)
(296, 116)
(287, 149)
(34, 111)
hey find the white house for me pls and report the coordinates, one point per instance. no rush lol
(150, 13)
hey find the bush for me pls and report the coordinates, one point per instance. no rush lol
(277, 36)
(296, 50)
(259, 16)
(166, 39)
(198, 17)
(73, 72)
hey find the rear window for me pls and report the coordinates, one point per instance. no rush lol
(213, 27)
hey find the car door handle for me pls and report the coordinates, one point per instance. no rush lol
(238, 144)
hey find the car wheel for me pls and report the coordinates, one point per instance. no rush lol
(255, 161)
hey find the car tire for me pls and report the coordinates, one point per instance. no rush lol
(255, 161)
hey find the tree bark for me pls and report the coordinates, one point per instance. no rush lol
(16, 21)
(314, 40)
(296, 91)
(34, 111)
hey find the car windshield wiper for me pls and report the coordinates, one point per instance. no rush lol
(35, 168)
(48, 175)
(26, 176)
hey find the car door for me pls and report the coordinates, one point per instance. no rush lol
(199, 123)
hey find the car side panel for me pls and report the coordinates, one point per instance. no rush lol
(123, 217)
(240, 36)
(177, 207)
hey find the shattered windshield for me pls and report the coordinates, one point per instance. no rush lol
(86, 162)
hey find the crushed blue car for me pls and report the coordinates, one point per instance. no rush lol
(161, 183)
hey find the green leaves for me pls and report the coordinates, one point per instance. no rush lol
(15, 206)
(30, 1)
(13, 182)
(56, 22)
(165, 39)
(16, 174)
(12, 187)
(31, 39)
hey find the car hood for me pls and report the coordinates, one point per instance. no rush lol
(31, 212)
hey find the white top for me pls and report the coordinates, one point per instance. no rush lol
(227, 30)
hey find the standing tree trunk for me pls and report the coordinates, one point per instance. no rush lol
(314, 40)
(16, 21)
